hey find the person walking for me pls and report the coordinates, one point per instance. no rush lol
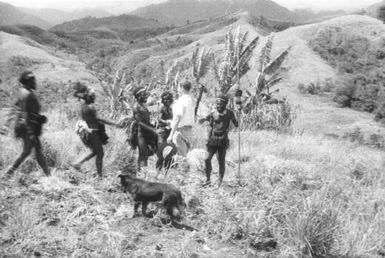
(218, 140)
(91, 128)
(29, 124)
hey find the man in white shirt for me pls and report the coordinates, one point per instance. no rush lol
(183, 119)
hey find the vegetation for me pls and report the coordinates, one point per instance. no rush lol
(360, 61)
(301, 196)
(235, 61)
(381, 13)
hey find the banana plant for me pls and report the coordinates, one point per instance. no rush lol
(201, 60)
(235, 62)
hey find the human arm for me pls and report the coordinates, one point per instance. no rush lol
(204, 119)
(108, 122)
(168, 121)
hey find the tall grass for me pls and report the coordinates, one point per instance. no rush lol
(301, 196)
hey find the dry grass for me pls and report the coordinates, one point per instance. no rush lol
(301, 196)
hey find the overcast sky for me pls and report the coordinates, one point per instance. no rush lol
(116, 5)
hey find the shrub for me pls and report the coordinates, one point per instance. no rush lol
(277, 117)
(358, 59)
(316, 88)
(344, 94)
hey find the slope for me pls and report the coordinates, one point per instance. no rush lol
(180, 12)
(52, 68)
(10, 15)
(55, 16)
(318, 114)
(120, 22)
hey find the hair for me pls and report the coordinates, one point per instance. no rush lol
(186, 85)
(25, 77)
(223, 97)
(167, 95)
(137, 90)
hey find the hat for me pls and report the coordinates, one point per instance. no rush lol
(138, 90)
(166, 151)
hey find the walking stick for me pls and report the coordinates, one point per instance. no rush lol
(238, 102)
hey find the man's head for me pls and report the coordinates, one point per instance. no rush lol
(140, 94)
(221, 103)
(90, 96)
(28, 80)
(185, 87)
(167, 98)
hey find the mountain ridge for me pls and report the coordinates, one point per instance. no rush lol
(56, 16)
(11, 15)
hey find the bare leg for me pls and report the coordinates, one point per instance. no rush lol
(210, 153)
(222, 163)
(40, 158)
(27, 148)
(86, 158)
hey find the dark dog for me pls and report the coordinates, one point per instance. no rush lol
(144, 192)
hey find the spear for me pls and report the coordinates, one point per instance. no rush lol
(239, 118)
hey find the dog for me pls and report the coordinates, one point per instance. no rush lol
(143, 192)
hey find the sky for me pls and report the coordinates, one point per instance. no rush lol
(125, 5)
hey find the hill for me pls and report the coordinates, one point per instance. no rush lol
(55, 16)
(321, 114)
(180, 12)
(298, 194)
(10, 15)
(373, 9)
(121, 22)
(54, 70)
(318, 114)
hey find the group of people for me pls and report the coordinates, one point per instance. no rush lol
(173, 130)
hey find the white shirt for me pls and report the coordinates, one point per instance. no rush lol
(184, 107)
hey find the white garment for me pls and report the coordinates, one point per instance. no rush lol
(184, 107)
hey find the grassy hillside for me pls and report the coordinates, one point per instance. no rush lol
(179, 12)
(319, 114)
(54, 70)
(120, 22)
(316, 191)
(182, 12)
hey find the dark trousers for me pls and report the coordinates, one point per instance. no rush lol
(28, 144)
(96, 146)
(221, 156)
